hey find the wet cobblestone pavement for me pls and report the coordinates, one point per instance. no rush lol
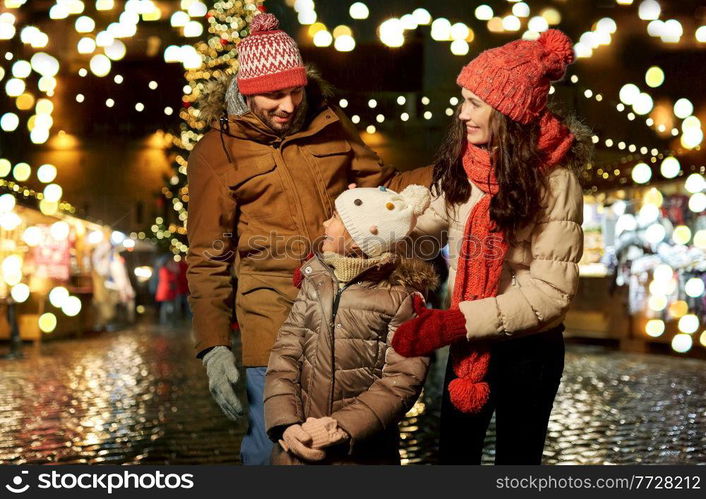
(139, 396)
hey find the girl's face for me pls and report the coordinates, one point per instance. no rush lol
(336, 237)
(476, 116)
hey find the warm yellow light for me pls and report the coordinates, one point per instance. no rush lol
(512, 23)
(654, 76)
(193, 29)
(25, 102)
(21, 172)
(59, 230)
(48, 207)
(7, 203)
(46, 173)
(460, 31)
(441, 29)
(21, 69)
(53, 192)
(20, 292)
(100, 65)
(657, 302)
(44, 106)
(57, 296)
(116, 50)
(47, 322)
(179, 19)
(552, 16)
(391, 32)
(697, 202)
(695, 287)
(678, 309)
(460, 47)
(104, 4)
(641, 173)
(484, 12)
(14, 87)
(344, 43)
(341, 30)
(71, 306)
(12, 269)
(670, 167)
(84, 24)
(359, 10)
(654, 328)
(681, 234)
(322, 38)
(649, 10)
(422, 17)
(32, 236)
(682, 343)
(86, 45)
(315, 28)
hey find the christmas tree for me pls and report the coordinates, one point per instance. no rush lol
(213, 61)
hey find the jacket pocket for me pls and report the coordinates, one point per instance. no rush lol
(331, 160)
(247, 170)
(329, 148)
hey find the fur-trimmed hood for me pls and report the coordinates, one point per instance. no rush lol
(414, 273)
(212, 102)
(581, 151)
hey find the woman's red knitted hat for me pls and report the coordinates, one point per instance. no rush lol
(514, 79)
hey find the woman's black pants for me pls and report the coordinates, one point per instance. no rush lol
(524, 376)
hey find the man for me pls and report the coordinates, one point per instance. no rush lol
(261, 183)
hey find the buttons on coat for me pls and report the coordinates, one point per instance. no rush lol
(307, 270)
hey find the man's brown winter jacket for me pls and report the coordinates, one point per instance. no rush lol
(257, 203)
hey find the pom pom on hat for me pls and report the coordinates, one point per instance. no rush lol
(264, 22)
(559, 52)
(417, 197)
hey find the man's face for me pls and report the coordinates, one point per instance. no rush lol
(279, 109)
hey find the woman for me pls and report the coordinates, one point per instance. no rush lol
(512, 207)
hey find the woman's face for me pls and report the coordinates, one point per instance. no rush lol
(475, 114)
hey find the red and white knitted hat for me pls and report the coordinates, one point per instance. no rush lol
(269, 59)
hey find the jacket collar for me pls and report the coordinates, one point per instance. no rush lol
(317, 269)
(249, 127)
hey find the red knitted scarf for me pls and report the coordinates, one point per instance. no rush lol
(481, 257)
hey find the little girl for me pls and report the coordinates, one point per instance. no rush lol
(335, 390)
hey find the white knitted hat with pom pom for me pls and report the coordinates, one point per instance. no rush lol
(378, 218)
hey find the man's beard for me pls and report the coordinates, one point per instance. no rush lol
(294, 125)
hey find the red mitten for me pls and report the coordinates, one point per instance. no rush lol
(432, 329)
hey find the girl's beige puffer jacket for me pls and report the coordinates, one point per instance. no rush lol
(332, 357)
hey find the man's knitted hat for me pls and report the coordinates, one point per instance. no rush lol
(378, 218)
(514, 79)
(269, 59)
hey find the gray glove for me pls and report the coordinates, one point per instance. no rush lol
(222, 377)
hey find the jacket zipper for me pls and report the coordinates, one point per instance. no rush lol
(332, 326)
(334, 311)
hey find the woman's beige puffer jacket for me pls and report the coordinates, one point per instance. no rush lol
(540, 273)
(332, 357)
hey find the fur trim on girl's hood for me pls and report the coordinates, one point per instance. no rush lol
(414, 273)
(212, 102)
(408, 272)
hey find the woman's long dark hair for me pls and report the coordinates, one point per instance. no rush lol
(516, 160)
